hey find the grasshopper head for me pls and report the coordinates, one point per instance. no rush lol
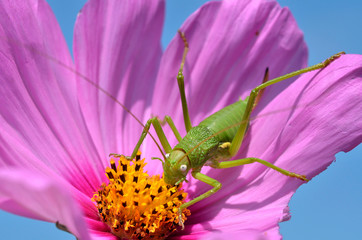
(176, 167)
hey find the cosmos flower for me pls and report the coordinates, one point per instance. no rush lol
(57, 130)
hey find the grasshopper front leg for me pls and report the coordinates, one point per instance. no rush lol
(181, 84)
(160, 134)
(203, 178)
(155, 121)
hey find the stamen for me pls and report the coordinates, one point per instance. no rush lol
(136, 205)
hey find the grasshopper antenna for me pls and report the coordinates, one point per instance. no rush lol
(95, 85)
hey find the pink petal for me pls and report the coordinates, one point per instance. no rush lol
(231, 45)
(103, 236)
(39, 114)
(235, 233)
(37, 196)
(325, 120)
(244, 234)
(117, 45)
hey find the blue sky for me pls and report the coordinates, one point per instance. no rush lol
(328, 207)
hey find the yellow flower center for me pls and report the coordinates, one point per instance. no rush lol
(137, 206)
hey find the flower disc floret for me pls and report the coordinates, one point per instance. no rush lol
(136, 205)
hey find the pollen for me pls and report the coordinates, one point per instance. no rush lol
(138, 206)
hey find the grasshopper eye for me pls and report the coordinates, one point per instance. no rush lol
(183, 168)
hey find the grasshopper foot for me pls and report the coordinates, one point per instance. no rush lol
(116, 155)
(180, 222)
(331, 59)
(301, 177)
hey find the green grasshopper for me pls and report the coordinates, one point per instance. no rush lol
(216, 139)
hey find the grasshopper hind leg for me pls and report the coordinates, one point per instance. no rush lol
(239, 136)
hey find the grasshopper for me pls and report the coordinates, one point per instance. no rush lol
(216, 139)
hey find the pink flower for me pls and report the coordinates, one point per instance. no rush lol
(57, 129)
